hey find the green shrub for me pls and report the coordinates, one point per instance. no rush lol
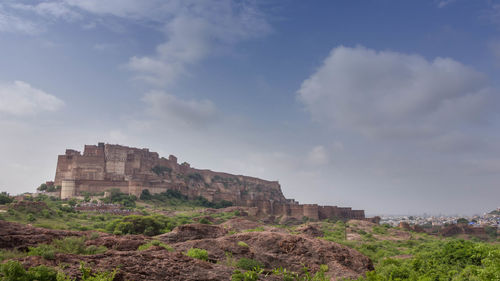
(196, 253)
(248, 264)
(14, 271)
(10, 254)
(30, 218)
(5, 198)
(242, 244)
(147, 225)
(146, 246)
(68, 245)
(245, 276)
(204, 221)
(379, 230)
(43, 250)
(87, 274)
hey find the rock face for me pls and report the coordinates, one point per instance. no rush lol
(155, 264)
(131, 170)
(274, 249)
(192, 232)
(457, 229)
(20, 237)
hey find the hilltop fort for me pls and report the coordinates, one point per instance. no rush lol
(131, 170)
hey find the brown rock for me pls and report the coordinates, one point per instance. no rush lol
(192, 232)
(293, 252)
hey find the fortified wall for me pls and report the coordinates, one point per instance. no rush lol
(131, 170)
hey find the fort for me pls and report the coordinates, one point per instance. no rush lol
(131, 170)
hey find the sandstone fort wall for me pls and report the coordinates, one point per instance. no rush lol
(106, 166)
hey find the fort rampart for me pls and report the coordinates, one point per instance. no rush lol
(131, 170)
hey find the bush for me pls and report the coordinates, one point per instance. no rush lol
(10, 254)
(68, 245)
(196, 253)
(31, 218)
(117, 197)
(14, 271)
(5, 198)
(155, 243)
(379, 230)
(245, 276)
(43, 250)
(242, 244)
(248, 264)
(204, 221)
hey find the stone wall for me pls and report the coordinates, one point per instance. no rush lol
(106, 166)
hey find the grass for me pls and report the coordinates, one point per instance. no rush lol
(68, 245)
(196, 253)
(242, 244)
(154, 243)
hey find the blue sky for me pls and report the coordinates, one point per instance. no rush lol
(387, 106)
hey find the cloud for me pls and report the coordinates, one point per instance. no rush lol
(444, 3)
(194, 31)
(20, 98)
(56, 10)
(318, 156)
(395, 95)
(15, 24)
(193, 113)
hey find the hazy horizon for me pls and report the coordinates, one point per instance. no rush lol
(384, 106)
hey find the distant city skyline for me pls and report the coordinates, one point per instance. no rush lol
(386, 106)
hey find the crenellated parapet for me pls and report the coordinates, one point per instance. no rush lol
(103, 167)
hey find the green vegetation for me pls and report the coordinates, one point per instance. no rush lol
(196, 253)
(14, 271)
(5, 198)
(249, 275)
(68, 245)
(242, 244)
(161, 170)
(155, 243)
(117, 197)
(147, 225)
(48, 188)
(10, 254)
(259, 228)
(421, 257)
(175, 198)
(249, 264)
(455, 260)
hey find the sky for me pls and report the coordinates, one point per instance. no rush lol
(384, 105)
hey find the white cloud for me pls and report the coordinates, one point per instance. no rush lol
(318, 156)
(444, 3)
(193, 32)
(14, 24)
(20, 98)
(390, 94)
(57, 10)
(194, 113)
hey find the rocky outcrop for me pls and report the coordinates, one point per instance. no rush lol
(192, 232)
(274, 249)
(155, 264)
(19, 236)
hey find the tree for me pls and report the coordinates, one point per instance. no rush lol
(462, 221)
(42, 187)
(5, 198)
